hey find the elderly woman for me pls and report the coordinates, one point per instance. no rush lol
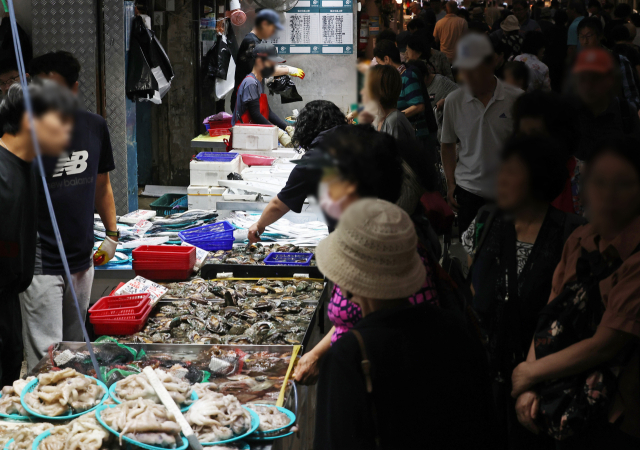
(359, 163)
(520, 238)
(365, 399)
(586, 343)
(314, 123)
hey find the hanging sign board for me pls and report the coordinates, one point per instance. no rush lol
(317, 27)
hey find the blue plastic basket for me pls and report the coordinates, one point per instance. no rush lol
(216, 156)
(32, 385)
(115, 398)
(255, 423)
(40, 438)
(288, 259)
(214, 236)
(184, 445)
(8, 444)
(14, 416)
(276, 433)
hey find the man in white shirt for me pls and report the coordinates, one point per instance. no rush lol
(479, 117)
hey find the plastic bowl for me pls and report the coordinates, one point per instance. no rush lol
(32, 385)
(8, 444)
(255, 423)
(270, 434)
(184, 445)
(115, 398)
(14, 416)
(40, 438)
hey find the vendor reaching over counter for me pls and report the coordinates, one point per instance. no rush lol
(252, 105)
(266, 24)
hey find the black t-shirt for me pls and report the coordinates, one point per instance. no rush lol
(73, 189)
(244, 62)
(448, 405)
(18, 197)
(303, 182)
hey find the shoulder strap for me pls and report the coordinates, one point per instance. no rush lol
(366, 369)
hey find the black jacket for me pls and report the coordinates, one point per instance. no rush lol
(430, 387)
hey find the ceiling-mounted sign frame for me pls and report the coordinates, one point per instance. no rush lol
(317, 27)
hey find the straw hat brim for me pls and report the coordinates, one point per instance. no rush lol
(350, 273)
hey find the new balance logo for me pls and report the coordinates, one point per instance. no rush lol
(72, 165)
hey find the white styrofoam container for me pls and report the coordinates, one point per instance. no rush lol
(230, 196)
(204, 197)
(207, 173)
(247, 137)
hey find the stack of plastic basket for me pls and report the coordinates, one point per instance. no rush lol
(211, 237)
(164, 262)
(120, 314)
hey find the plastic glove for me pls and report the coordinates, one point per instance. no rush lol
(290, 130)
(284, 138)
(295, 72)
(105, 252)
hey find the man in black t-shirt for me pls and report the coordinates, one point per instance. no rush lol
(79, 185)
(52, 108)
(266, 24)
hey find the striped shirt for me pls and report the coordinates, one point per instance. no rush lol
(411, 95)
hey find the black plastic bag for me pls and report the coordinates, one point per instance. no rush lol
(284, 86)
(219, 65)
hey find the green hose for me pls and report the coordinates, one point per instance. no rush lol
(4, 3)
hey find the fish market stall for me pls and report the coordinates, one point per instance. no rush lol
(204, 380)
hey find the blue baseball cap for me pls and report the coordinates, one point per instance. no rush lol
(270, 16)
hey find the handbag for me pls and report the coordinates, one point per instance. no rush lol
(570, 405)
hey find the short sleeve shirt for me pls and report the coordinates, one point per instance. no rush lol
(250, 89)
(621, 297)
(72, 187)
(572, 34)
(482, 132)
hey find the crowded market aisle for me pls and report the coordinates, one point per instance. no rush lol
(452, 263)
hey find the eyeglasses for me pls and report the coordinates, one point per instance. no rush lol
(9, 82)
(584, 37)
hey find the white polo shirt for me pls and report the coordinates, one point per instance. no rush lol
(482, 133)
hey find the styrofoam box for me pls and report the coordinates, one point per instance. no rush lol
(207, 173)
(204, 197)
(254, 137)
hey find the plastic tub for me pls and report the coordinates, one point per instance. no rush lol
(170, 204)
(288, 259)
(216, 156)
(204, 233)
(164, 253)
(119, 326)
(184, 409)
(257, 160)
(184, 445)
(32, 385)
(157, 274)
(120, 305)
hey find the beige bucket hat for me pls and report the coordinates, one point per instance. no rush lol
(510, 23)
(373, 252)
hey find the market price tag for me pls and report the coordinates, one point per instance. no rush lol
(141, 285)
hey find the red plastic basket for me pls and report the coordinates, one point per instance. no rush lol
(120, 305)
(172, 265)
(165, 253)
(163, 274)
(257, 160)
(117, 326)
(220, 127)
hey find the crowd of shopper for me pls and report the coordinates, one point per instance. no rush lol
(537, 121)
(528, 117)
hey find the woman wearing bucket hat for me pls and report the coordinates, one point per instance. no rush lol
(509, 35)
(372, 255)
(358, 163)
